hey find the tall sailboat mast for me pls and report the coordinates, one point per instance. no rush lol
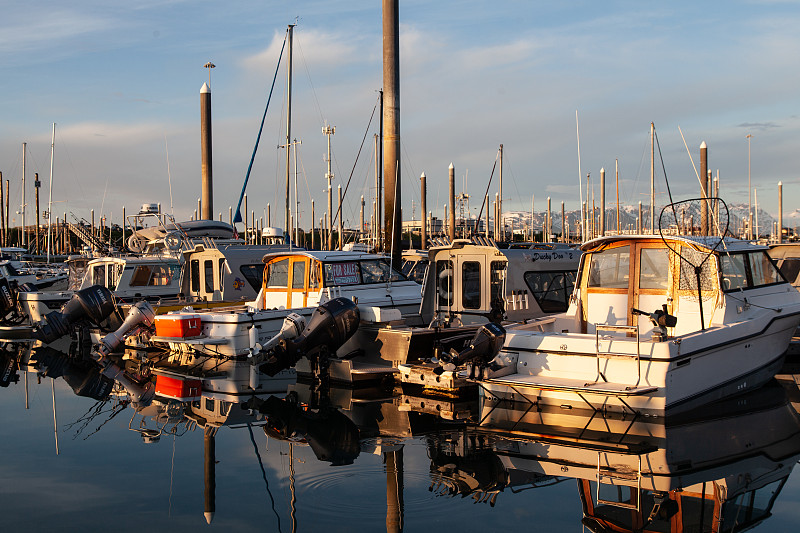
(286, 221)
(22, 207)
(50, 194)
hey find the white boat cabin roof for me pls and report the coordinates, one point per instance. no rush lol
(326, 256)
(710, 243)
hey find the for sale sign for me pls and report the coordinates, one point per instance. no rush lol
(342, 273)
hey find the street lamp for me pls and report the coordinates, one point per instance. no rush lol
(209, 66)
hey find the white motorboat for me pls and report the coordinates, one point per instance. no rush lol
(299, 281)
(723, 319)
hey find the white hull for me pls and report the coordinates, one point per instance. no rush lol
(670, 376)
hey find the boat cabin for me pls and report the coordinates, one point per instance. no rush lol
(152, 278)
(465, 281)
(225, 271)
(303, 278)
(693, 276)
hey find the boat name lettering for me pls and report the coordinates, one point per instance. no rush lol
(548, 256)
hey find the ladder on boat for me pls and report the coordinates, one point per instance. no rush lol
(599, 354)
(619, 475)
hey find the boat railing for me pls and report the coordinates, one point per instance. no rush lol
(619, 475)
(632, 330)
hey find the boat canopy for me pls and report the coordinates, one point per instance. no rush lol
(728, 244)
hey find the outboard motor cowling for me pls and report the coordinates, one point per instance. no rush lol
(331, 325)
(94, 303)
(483, 347)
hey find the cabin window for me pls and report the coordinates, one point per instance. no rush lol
(99, 275)
(254, 275)
(114, 273)
(790, 268)
(654, 268)
(313, 275)
(551, 290)
(278, 273)
(734, 272)
(194, 275)
(471, 285)
(763, 270)
(208, 275)
(378, 271)
(444, 283)
(345, 273)
(415, 270)
(610, 268)
(498, 274)
(151, 276)
(298, 274)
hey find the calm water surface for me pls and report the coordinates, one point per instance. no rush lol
(363, 460)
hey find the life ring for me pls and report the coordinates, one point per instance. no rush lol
(136, 243)
(173, 240)
(446, 284)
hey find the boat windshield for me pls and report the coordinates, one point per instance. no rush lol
(743, 271)
(366, 271)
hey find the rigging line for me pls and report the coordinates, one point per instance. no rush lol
(263, 473)
(488, 185)
(666, 180)
(513, 177)
(366, 132)
(308, 75)
(697, 174)
(238, 216)
(169, 176)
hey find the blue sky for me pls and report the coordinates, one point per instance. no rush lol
(122, 82)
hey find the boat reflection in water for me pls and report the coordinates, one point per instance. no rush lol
(718, 470)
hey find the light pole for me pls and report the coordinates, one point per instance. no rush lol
(209, 66)
(749, 197)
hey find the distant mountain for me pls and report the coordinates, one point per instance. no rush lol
(520, 220)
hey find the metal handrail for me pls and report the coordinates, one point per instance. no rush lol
(600, 475)
(608, 354)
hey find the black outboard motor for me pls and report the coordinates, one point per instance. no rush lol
(483, 347)
(94, 304)
(82, 374)
(332, 436)
(8, 369)
(331, 325)
(9, 313)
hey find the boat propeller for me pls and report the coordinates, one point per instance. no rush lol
(660, 318)
(482, 349)
(331, 325)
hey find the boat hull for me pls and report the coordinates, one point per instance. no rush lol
(667, 377)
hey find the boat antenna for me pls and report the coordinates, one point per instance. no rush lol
(55, 420)
(580, 175)
(169, 175)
